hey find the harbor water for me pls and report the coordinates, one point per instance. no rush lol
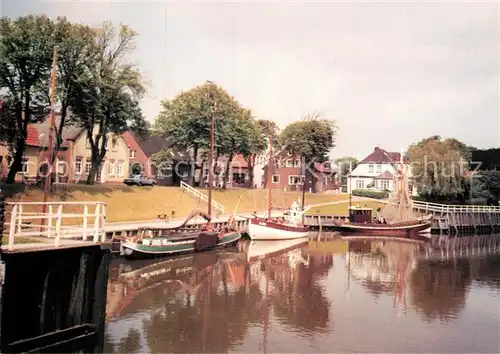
(311, 296)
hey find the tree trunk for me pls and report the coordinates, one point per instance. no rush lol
(20, 146)
(17, 163)
(228, 167)
(202, 174)
(91, 179)
(193, 166)
(250, 161)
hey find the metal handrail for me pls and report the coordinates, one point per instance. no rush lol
(202, 196)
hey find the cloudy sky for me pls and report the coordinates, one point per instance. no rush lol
(388, 73)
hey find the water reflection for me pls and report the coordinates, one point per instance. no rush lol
(290, 296)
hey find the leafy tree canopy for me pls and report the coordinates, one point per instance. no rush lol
(439, 168)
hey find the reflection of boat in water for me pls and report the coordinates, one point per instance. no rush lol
(255, 250)
(186, 273)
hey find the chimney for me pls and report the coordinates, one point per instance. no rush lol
(376, 148)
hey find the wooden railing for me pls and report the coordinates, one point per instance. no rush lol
(61, 220)
(445, 208)
(200, 196)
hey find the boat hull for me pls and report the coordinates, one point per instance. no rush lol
(259, 229)
(163, 246)
(386, 230)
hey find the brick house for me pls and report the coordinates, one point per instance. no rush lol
(288, 175)
(30, 160)
(141, 152)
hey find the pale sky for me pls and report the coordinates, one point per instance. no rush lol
(389, 73)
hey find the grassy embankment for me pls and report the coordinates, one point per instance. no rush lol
(343, 208)
(145, 203)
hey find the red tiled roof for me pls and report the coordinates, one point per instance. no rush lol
(32, 138)
(383, 157)
(385, 175)
(239, 161)
(321, 167)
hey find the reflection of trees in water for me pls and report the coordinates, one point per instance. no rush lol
(439, 289)
(383, 267)
(210, 320)
(297, 298)
(486, 271)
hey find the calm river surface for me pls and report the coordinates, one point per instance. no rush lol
(340, 295)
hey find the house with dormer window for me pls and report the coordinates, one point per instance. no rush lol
(377, 171)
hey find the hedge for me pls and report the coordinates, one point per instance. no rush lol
(370, 194)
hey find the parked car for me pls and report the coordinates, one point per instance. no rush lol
(139, 180)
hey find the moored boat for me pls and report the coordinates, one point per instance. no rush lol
(397, 219)
(289, 227)
(180, 239)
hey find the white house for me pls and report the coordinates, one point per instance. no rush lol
(376, 171)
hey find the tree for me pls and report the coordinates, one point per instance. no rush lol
(26, 46)
(260, 132)
(487, 185)
(106, 101)
(76, 51)
(439, 169)
(488, 159)
(345, 164)
(312, 138)
(186, 119)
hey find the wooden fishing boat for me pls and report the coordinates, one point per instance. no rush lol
(362, 224)
(398, 218)
(289, 227)
(181, 239)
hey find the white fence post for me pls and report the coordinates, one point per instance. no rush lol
(103, 222)
(12, 230)
(19, 218)
(96, 222)
(49, 222)
(58, 224)
(85, 221)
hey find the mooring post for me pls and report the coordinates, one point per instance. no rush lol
(2, 215)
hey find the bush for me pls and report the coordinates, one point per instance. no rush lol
(370, 194)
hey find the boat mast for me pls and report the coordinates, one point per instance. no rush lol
(350, 189)
(211, 155)
(51, 130)
(269, 172)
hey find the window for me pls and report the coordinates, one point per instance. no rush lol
(119, 168)
(325, 181)
(283, 163)
(114, 143)
(132, 154)
(384, 185)
(289, 163)
(296, 163)
(360, 184)
(87, 143)
(60, 167)
(276, 178)
(111, 168)
(370, 168)
(379, 168)
(78, 165)
(24, 168)
(88, 166)
(293, 180)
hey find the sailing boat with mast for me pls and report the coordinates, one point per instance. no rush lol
(269, 228)
(399, 218)
(180, 239)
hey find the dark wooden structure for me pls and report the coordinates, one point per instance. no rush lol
(53, 299)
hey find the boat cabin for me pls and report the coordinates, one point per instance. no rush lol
(360, 215)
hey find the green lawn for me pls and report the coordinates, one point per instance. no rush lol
(343, 208)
